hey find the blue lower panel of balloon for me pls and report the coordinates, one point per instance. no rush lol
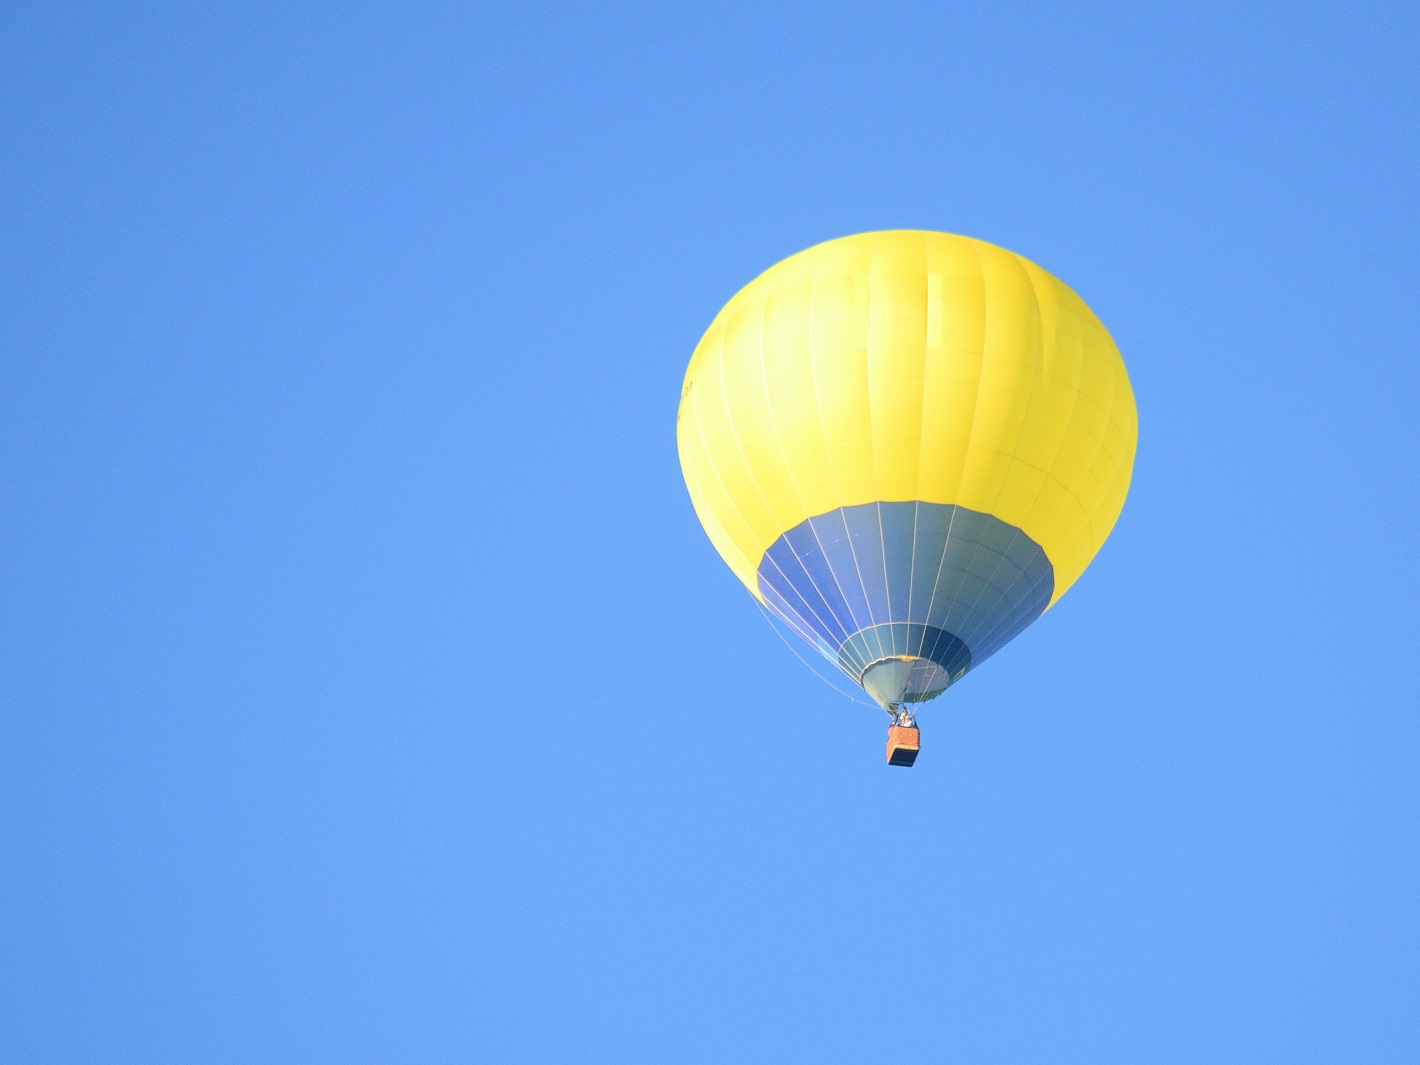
(922, 580)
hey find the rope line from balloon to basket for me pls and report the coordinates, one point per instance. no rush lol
(901, 713)
(770, 619)
(802, 629)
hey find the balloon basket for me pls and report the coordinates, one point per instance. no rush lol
(904, 741)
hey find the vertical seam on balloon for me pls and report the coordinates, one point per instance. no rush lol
(851, 624)
(1097, 539)
(1069, 424)
(808, 518)
(872, 448)
(1030, 396)
(1047, 476)
(1049, 470)
(827, 632)
(699, 496)
(828, 452)
(1037, 370)
(754, 480)
(789, 582)
(921, 436)
(912, 573)
(975, 406)
(1124, 469)
(784, 458)
(828, 461)
(887, 584)
(1003, 595)
(710, 463)
(1115, 392)
(1097, 542)
(1050, 467)
(992, 641)
(734, 433)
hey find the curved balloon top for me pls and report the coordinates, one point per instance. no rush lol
(907, 445)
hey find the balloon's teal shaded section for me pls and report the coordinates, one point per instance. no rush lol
(921, 580)
(864, 648)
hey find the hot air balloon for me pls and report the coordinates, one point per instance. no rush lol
(907, 445)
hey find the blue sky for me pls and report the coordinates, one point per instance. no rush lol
(371, 694)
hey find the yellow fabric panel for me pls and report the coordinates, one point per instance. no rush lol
(723, 522)
(907, 365)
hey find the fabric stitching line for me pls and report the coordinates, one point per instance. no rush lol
(828, 458)
(975, 407)
(1037, 369)
(788, 470)
(1003, 594)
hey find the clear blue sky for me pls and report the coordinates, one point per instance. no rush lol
(371, 694)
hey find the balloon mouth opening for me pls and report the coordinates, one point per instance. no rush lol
(904, 662)
(905, 679)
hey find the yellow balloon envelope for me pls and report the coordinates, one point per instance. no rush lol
(907, 445)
